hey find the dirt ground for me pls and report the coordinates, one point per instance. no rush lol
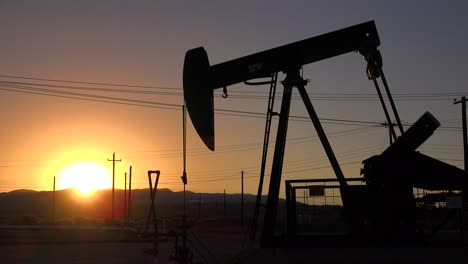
(207, 245)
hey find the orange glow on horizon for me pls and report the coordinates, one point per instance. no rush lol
(85, 177)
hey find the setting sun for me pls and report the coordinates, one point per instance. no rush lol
(84, 177)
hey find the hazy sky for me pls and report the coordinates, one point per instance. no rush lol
(143, 43)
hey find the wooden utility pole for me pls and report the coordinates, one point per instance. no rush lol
(53, 203)
(129, 209)
(113, 181)
(465, 160)
(465, 140)
(242, 198)
(224, 203)
(125, 199)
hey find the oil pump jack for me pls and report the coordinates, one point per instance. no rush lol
(384, 207)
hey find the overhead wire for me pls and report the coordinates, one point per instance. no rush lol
(92, 96)
(127, 101)
(83, 82)
(28, 87)
(160, 105)
(234, 94)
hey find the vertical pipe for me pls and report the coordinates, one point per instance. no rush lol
(184, 144)
(184, 180)
(184, 134)
(184, 227)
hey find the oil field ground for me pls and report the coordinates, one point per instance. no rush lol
(223, 243)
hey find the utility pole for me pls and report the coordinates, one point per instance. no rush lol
(242, 198)
(465, 140)
(53, 203)
(129, 209)
(125, 199)
(465, 159)
(113, 180)
(224, 203)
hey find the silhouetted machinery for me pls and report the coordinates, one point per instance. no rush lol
(384, 207)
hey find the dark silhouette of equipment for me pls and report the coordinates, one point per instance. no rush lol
(152, 209)
(152, 213)
(387, 203)
(390, 192)
(200, 79)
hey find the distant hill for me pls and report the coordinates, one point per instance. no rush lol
(36, 206)
(22, 191)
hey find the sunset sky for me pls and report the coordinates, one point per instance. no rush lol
(122, 66)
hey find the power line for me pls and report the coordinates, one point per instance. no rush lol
(19, 87)
(92, 96)
(95, 89)
(127, 101)
(235, 94)
(83, 82)
(307, 164)
(88, 99)
(169, 153)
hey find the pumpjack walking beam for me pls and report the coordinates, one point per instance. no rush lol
(200, 79)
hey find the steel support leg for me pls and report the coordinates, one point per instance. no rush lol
(384, 107)
(390, 98)
(269, 222)
(323, 138)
